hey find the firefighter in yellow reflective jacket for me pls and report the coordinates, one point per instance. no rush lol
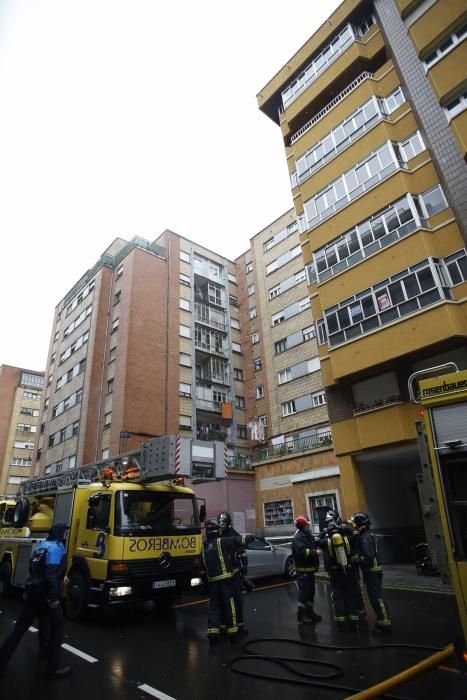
(218, 562)
(336, 543)
(367, 559)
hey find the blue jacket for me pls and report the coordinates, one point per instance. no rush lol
(50, 582)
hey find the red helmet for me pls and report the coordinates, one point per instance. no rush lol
(301, 521)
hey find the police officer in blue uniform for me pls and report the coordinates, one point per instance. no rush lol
(43, 601)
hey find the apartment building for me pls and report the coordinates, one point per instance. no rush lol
(145, 344)
(372, 109)
(20, 398)
(283, 393)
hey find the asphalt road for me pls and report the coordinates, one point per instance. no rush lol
(138, 654)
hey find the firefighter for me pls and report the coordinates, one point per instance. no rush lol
(336, 543)
(240, 567)
(218, 562)
(306, 564)
(43, 601)
(368, 560)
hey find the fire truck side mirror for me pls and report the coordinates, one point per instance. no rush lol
(21, 512)
(202, 513)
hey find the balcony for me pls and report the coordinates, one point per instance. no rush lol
(376, 404)
(206, 433)
(209, 316)
(209, 405)
(313, 442)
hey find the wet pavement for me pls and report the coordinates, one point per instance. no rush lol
(138, 654)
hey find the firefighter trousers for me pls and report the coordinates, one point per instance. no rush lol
(374, 586)
(238, 594)
(222, 609)
(306, 588)
(344, 594)
(50, 631)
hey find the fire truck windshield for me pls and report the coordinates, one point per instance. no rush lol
(146, 513)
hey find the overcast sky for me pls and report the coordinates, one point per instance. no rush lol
(126, 117)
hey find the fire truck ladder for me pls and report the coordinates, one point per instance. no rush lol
(79, 475)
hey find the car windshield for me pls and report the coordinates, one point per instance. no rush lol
(153, 513)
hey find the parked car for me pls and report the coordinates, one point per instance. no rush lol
(265, 559)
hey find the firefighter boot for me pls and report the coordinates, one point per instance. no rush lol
(301, 616)
(312, 615)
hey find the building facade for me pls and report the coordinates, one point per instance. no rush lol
(372, 110)
(287, 419)
(20, 398)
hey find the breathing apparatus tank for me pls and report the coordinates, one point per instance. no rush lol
(339, 549)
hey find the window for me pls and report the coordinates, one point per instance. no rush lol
(407, 292)
(308, 333)
(350, 129)
(263, 420)
(254, 338)
(299, 370)
(23, 445)
(185, 331)
(278, 513)
(107, 419)
(98, 512)
(110, 386)
(236, 347)
(185, 279)
(184, 256)
(260, 391)
(67, 403)
(184, 422)
(29, 411)
(238, 374)
(456, 105)
(233, 300)
(16, 479)
(113, 353)
(26, 428)
(283, 259)
(118, 296)
(275, 291)
(249, 267)
(239, 402)
(21, 462)
(456, 265)
(66, 433)
(184, 304)
(184, 389)
(319, 398)
(185, 359)
(232, 278)
(105, 453)
(235, 323)
(288, 408)
(412, 146)
(74, 324)
(376, 166)
(251, 289)
(115, 325)
(119, 271)
(241, 432)
(277, 318)
(252, 312)
(446, 46)
(31, 395)
(257, 364)
(282, 235)
(280, 346)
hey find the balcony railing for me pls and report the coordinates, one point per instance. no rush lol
(218, 435)
(377, 403)
(322, 113)
(208, 405)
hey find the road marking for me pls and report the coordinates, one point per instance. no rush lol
(155, 693)
(84, 656)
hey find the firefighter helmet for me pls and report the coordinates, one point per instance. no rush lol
(224, 519)
(332, 516)
(212, 528)
(361, 519)
(301, 522)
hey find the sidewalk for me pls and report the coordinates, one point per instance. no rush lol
(405, 576)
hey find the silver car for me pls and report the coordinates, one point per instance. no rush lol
(265, 559)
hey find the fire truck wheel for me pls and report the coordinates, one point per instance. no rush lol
(76, 600)
(5, 577)
(21, 512)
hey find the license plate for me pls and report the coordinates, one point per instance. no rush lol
(170, 583)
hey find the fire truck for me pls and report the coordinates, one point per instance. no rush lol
(134, 528)
(443, 400)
